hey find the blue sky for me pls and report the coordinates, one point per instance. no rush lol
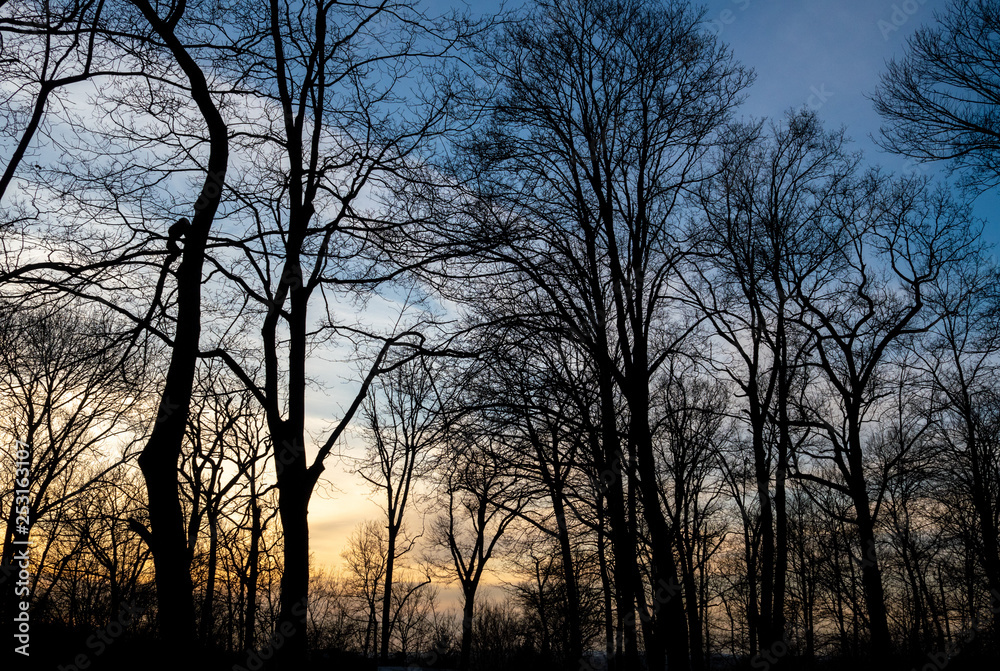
(823, 53)
(828, 54)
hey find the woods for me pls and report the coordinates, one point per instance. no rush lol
(634, 381)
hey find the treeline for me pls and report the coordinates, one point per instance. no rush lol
(701, 391)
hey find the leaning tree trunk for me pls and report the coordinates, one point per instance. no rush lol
(159, 460)
(575, 652)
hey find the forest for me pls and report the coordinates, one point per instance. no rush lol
(636, 381)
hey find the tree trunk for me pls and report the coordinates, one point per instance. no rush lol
(171, 559)
(692, 603)
(250, 619)
(607, 586)
(387, 592)
(753, 604)
(671, 624)
(468, 611)
(294, 489)
(762, 473)
(612, 472)
(208, 605)
(575, 652)
(159, 458)
(871, 573)
(295, 480)
(780, 559)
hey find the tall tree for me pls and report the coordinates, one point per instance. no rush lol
(896, 240)
(939, 99)
(160, 48)
(366, 555)
(405, 419)
(481, 499)
(545, 398)
(604, 113)
(689, 413)
(354, 117)
(223, 460)
(961, 360)
(159, 458)
(763, 237)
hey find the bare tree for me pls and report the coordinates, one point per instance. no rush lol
(70, 414)
(762, 239)
(592, 145)
(939, 99)
(534, 390)
(414, 608)
(313, 65)
(481, 499)
(896, 242)
(366, 555)
(688, 429)
(405, 418)
(101, 521)
(224, 464)
(160, 456)
(351, 117)
(962, 361)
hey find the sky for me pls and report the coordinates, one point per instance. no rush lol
(823, 54)
(827, 55)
